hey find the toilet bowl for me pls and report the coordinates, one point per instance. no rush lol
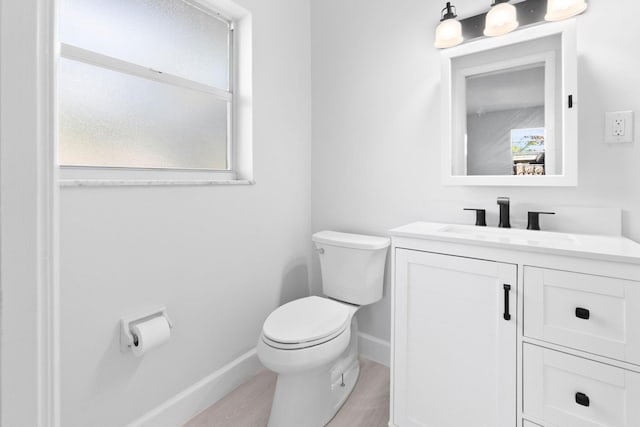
(312, 342)
(305, 334)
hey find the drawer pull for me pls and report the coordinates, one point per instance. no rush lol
(506, 315)
(582, 399)
(582, 313)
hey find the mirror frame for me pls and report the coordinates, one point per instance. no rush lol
(567, 86)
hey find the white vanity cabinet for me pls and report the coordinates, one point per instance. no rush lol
(455, 337)
(511, 328)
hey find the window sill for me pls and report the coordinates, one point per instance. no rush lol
(148, 183)
(71, 176)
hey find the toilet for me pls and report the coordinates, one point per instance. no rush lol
(312, 342)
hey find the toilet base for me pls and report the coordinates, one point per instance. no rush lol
(313, 398)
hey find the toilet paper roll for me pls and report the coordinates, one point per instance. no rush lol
(150, 334)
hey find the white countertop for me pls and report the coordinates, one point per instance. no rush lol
(609, 248)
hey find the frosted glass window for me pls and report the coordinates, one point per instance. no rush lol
(171, 36)
(144, 84)
(108, 118)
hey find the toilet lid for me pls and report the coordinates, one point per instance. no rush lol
(306, 319)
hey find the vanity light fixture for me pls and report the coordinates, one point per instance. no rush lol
(557, 10)
(449, 31)
(501, 19)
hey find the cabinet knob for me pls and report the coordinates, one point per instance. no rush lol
(582, 399)
(582, 313)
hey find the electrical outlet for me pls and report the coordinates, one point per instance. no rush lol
(618, 127)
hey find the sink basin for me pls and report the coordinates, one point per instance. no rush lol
(509, 235)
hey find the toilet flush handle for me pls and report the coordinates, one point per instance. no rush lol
(320, 250)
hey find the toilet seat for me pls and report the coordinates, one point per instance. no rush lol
(306, 322)
(302, 345)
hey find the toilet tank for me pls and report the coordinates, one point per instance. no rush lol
(352, 265)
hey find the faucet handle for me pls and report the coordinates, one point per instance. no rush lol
(505, 222)
(481, 216)
(533, 218)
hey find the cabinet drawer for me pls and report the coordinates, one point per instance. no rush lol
(569, 391)
(582, 311)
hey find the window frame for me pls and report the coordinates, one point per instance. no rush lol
(239, 170)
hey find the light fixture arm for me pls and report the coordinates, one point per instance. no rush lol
(448, 12)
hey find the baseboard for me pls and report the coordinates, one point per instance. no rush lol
(374, 348)
(195, 399)
(176, 411)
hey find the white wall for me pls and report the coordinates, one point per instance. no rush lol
(376, 122)
(221, 258)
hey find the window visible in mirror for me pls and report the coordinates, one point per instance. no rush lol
(528, 152)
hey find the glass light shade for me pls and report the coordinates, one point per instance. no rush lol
(448, 34)
(501, 19)
(557, 10)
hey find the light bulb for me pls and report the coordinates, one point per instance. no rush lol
(448, 34)
(501, 19)
(557, 10)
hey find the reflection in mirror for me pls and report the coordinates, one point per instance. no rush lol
(507, 110)
(506, 121)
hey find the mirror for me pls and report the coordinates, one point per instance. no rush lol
(512, 113)
(505, 122)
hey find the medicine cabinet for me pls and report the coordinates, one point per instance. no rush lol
(510, 109)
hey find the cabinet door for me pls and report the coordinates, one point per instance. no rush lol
(454, 346)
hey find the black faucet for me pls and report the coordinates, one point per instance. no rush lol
(481, 216)
(533, 222)
(503, 202)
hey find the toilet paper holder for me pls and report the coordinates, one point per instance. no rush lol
(127, 338)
